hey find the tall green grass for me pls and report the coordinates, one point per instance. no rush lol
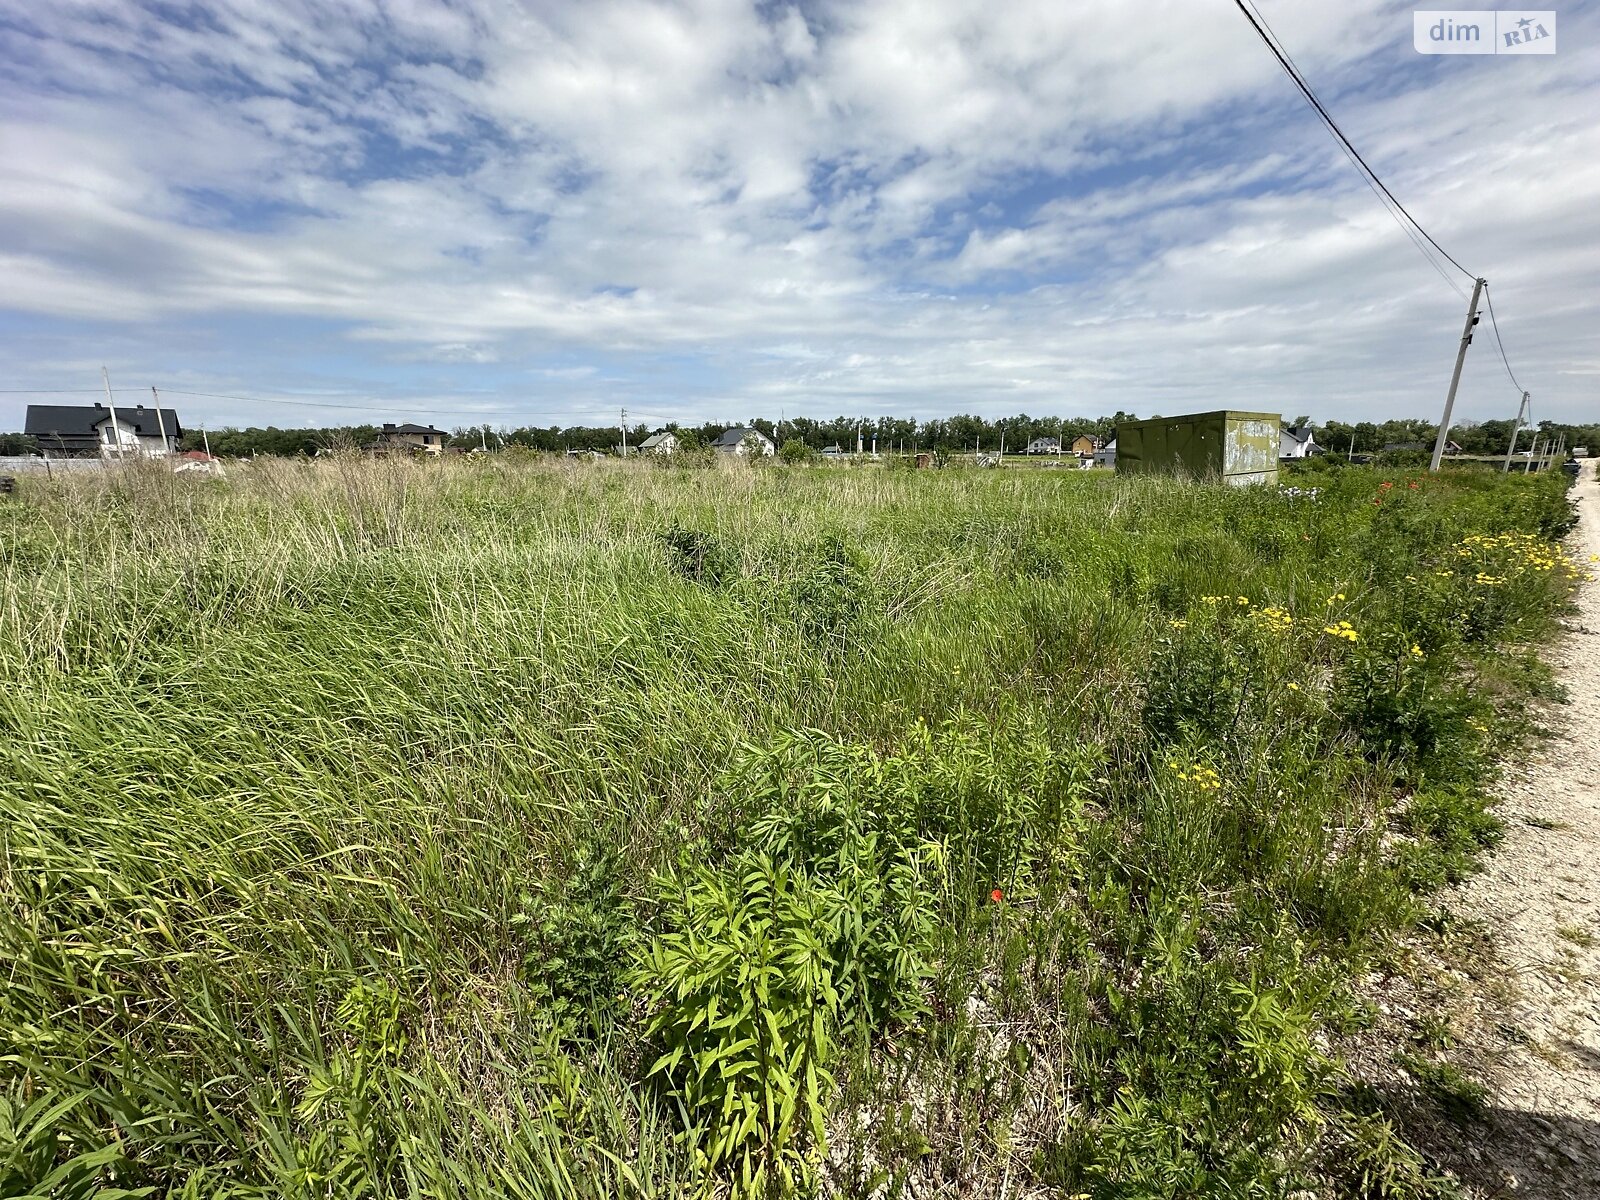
(519, 829)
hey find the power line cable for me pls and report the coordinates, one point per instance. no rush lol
(388, 408)
(1495, 325)
(379, 407)
(1269, 40)
(1355, 161)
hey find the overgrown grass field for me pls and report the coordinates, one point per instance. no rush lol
(513, 828)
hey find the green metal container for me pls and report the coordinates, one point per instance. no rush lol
(1235, 447)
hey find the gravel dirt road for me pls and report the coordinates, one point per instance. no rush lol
(1539, 898)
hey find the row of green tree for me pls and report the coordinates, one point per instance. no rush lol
(1473, 437)
(886, 434)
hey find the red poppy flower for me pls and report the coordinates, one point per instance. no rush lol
(997, 895)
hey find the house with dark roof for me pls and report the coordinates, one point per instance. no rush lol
(1043, 445)
(87, 430)
(1297, 442)
(422, 439)
(745, 442)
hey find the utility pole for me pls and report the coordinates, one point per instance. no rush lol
(212, 464)
(1516, 428)
(112, 405)
(161, 422)
(483, 438)
(1455, 377)
(624, 433)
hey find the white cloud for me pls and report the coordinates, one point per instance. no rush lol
(921, 205)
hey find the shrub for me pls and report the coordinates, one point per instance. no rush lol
(832, 592)
(579, 933)
(700, 557)
(794, 452)
(764, 961)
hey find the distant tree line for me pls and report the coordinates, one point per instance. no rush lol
(890, 433)
(1474, 437)
(957, 433)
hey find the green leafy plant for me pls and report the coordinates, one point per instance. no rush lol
(700, 556)
(833, 591)
(793, 452)
(39, 1160)
(579, 930)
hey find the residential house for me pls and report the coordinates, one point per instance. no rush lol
(1087, 445)
(833, 451)
(84, 430)
(1106, 455)
(743, 441)
(1297, 442)
(420, 439)
(665, 442)
(1043, 445)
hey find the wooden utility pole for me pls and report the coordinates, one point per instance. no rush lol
(1455, 376)
(161, 422)
(111, 404)
(1516, 428)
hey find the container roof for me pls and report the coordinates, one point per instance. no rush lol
(1226, 413)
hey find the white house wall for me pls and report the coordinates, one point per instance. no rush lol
(131, 441)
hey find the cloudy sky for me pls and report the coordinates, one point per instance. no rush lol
(523, 212)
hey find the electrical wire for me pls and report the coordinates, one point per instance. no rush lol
(1495, 325)
(388, 408)
(1354, 160)
(379, 407)
(301, 403)
(1376, 184)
